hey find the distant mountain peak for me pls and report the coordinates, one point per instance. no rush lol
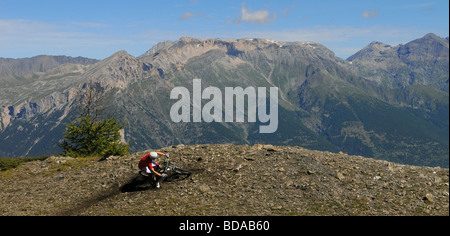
(121, 53)
(373, 50)
(376, 44)
(426, 48)
(180, 51)
(159, 46)
(41, 63)
(429, 39)
(432, 36)
(244, 44)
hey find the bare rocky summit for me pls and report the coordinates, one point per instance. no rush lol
(42, 63)
(228, 180)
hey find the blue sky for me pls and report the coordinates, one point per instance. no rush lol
(99, 28)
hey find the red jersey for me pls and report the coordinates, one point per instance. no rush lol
(147, 161)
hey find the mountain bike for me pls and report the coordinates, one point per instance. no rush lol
(173, 172)
(145, 182)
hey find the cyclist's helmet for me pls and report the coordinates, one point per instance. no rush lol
(153, 155)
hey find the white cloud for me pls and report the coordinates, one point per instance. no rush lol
(260, 16)
(370, 14)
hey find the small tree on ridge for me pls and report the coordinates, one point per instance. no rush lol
(88, 135)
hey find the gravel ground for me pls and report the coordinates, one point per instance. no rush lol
(227, 180)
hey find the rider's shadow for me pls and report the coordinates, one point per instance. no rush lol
(137, 184)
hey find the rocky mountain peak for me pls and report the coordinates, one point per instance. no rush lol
(373, 50)
(42, 63)
(182, 50)
(432, 36)
(159, 46)
(118, 70)
(429, 47)
(378, 45)
(120, 55)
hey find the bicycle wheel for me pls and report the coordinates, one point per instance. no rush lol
(182, 171)
(178, 174)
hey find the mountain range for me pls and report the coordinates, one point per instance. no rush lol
(386, 102)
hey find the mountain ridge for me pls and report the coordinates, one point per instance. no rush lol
(324, 100)
(41, 63)
(420, 61)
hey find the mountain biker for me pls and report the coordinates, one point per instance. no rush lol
(148, 166)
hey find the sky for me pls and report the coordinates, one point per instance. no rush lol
(99, 28)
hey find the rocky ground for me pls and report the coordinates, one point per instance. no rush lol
(227, 180)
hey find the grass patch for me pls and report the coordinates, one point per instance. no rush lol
(10, 163)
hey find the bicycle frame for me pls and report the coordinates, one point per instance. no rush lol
(170, 170)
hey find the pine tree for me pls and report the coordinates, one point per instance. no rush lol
(88, 135)
(84, 137)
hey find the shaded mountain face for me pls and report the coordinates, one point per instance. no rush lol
(20, 67)
(423, 61)
(361, 106)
